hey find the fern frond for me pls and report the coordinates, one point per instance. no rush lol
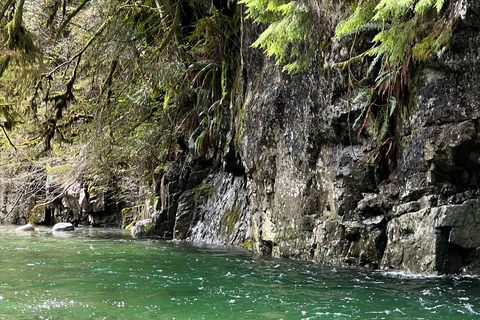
(387, 9)
(393, 103)
(439, 5)
(374, 62)
(357, 21)
(290, 23)
(423, 5)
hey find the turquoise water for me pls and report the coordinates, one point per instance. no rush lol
(104, 274)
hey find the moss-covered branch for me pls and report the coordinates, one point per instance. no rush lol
(4, 64)
(171, 32)
(14, 27)
(5, 8)
(18, 38)
(108, 81)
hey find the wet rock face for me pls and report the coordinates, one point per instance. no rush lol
(214, 211)
(438, 163)
(310, 199)
(304, 181)
(80, 207)
(442, 239)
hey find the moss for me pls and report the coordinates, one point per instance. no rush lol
(149, 227)
(130, 215)
(152, 202)
(203, 190)
(36, 214)
(247, 244)
(130, 226)
(92, 190)
(4, 64)
(59, 169)
(326, 44)
(18, 38)
(230, 218)
(241, 121)
(161, 169)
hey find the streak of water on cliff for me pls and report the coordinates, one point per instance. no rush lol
(103, 274)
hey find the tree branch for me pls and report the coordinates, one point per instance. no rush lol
(171, 32)
(70, 17)
(5, 7)
(8, 138)
(15, 25)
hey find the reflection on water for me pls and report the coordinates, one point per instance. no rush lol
(104, 274)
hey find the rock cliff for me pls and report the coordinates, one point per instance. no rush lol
(312, 198)
(309, 194)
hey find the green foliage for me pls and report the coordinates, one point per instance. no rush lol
(132, 83)
(403, 32)
(424, 5)
(378, 118)
(359, 21)
(206, 40)
(173, 97)
(403, 28)
(289, 25)
(247, 244)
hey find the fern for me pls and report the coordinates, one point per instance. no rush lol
(424, 5)
(365, 97)
(388, 9)
(393, 42)
(405, 32)
(289, 25)
(374, 63)
(358, 21)
(397, 28)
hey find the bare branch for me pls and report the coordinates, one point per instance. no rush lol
(70, 17)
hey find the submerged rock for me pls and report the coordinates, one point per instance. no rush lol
(27, 227)
(63, 226)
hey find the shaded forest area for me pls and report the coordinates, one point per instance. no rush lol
(109, 92)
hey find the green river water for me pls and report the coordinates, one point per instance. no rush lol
(104, 274)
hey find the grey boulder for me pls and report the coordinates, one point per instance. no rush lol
(63, 226)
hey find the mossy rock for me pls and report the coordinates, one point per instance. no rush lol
(230, 218)
(203, 190)
(129, 226)
(130, 216)
(247, 244)
(36, 215)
